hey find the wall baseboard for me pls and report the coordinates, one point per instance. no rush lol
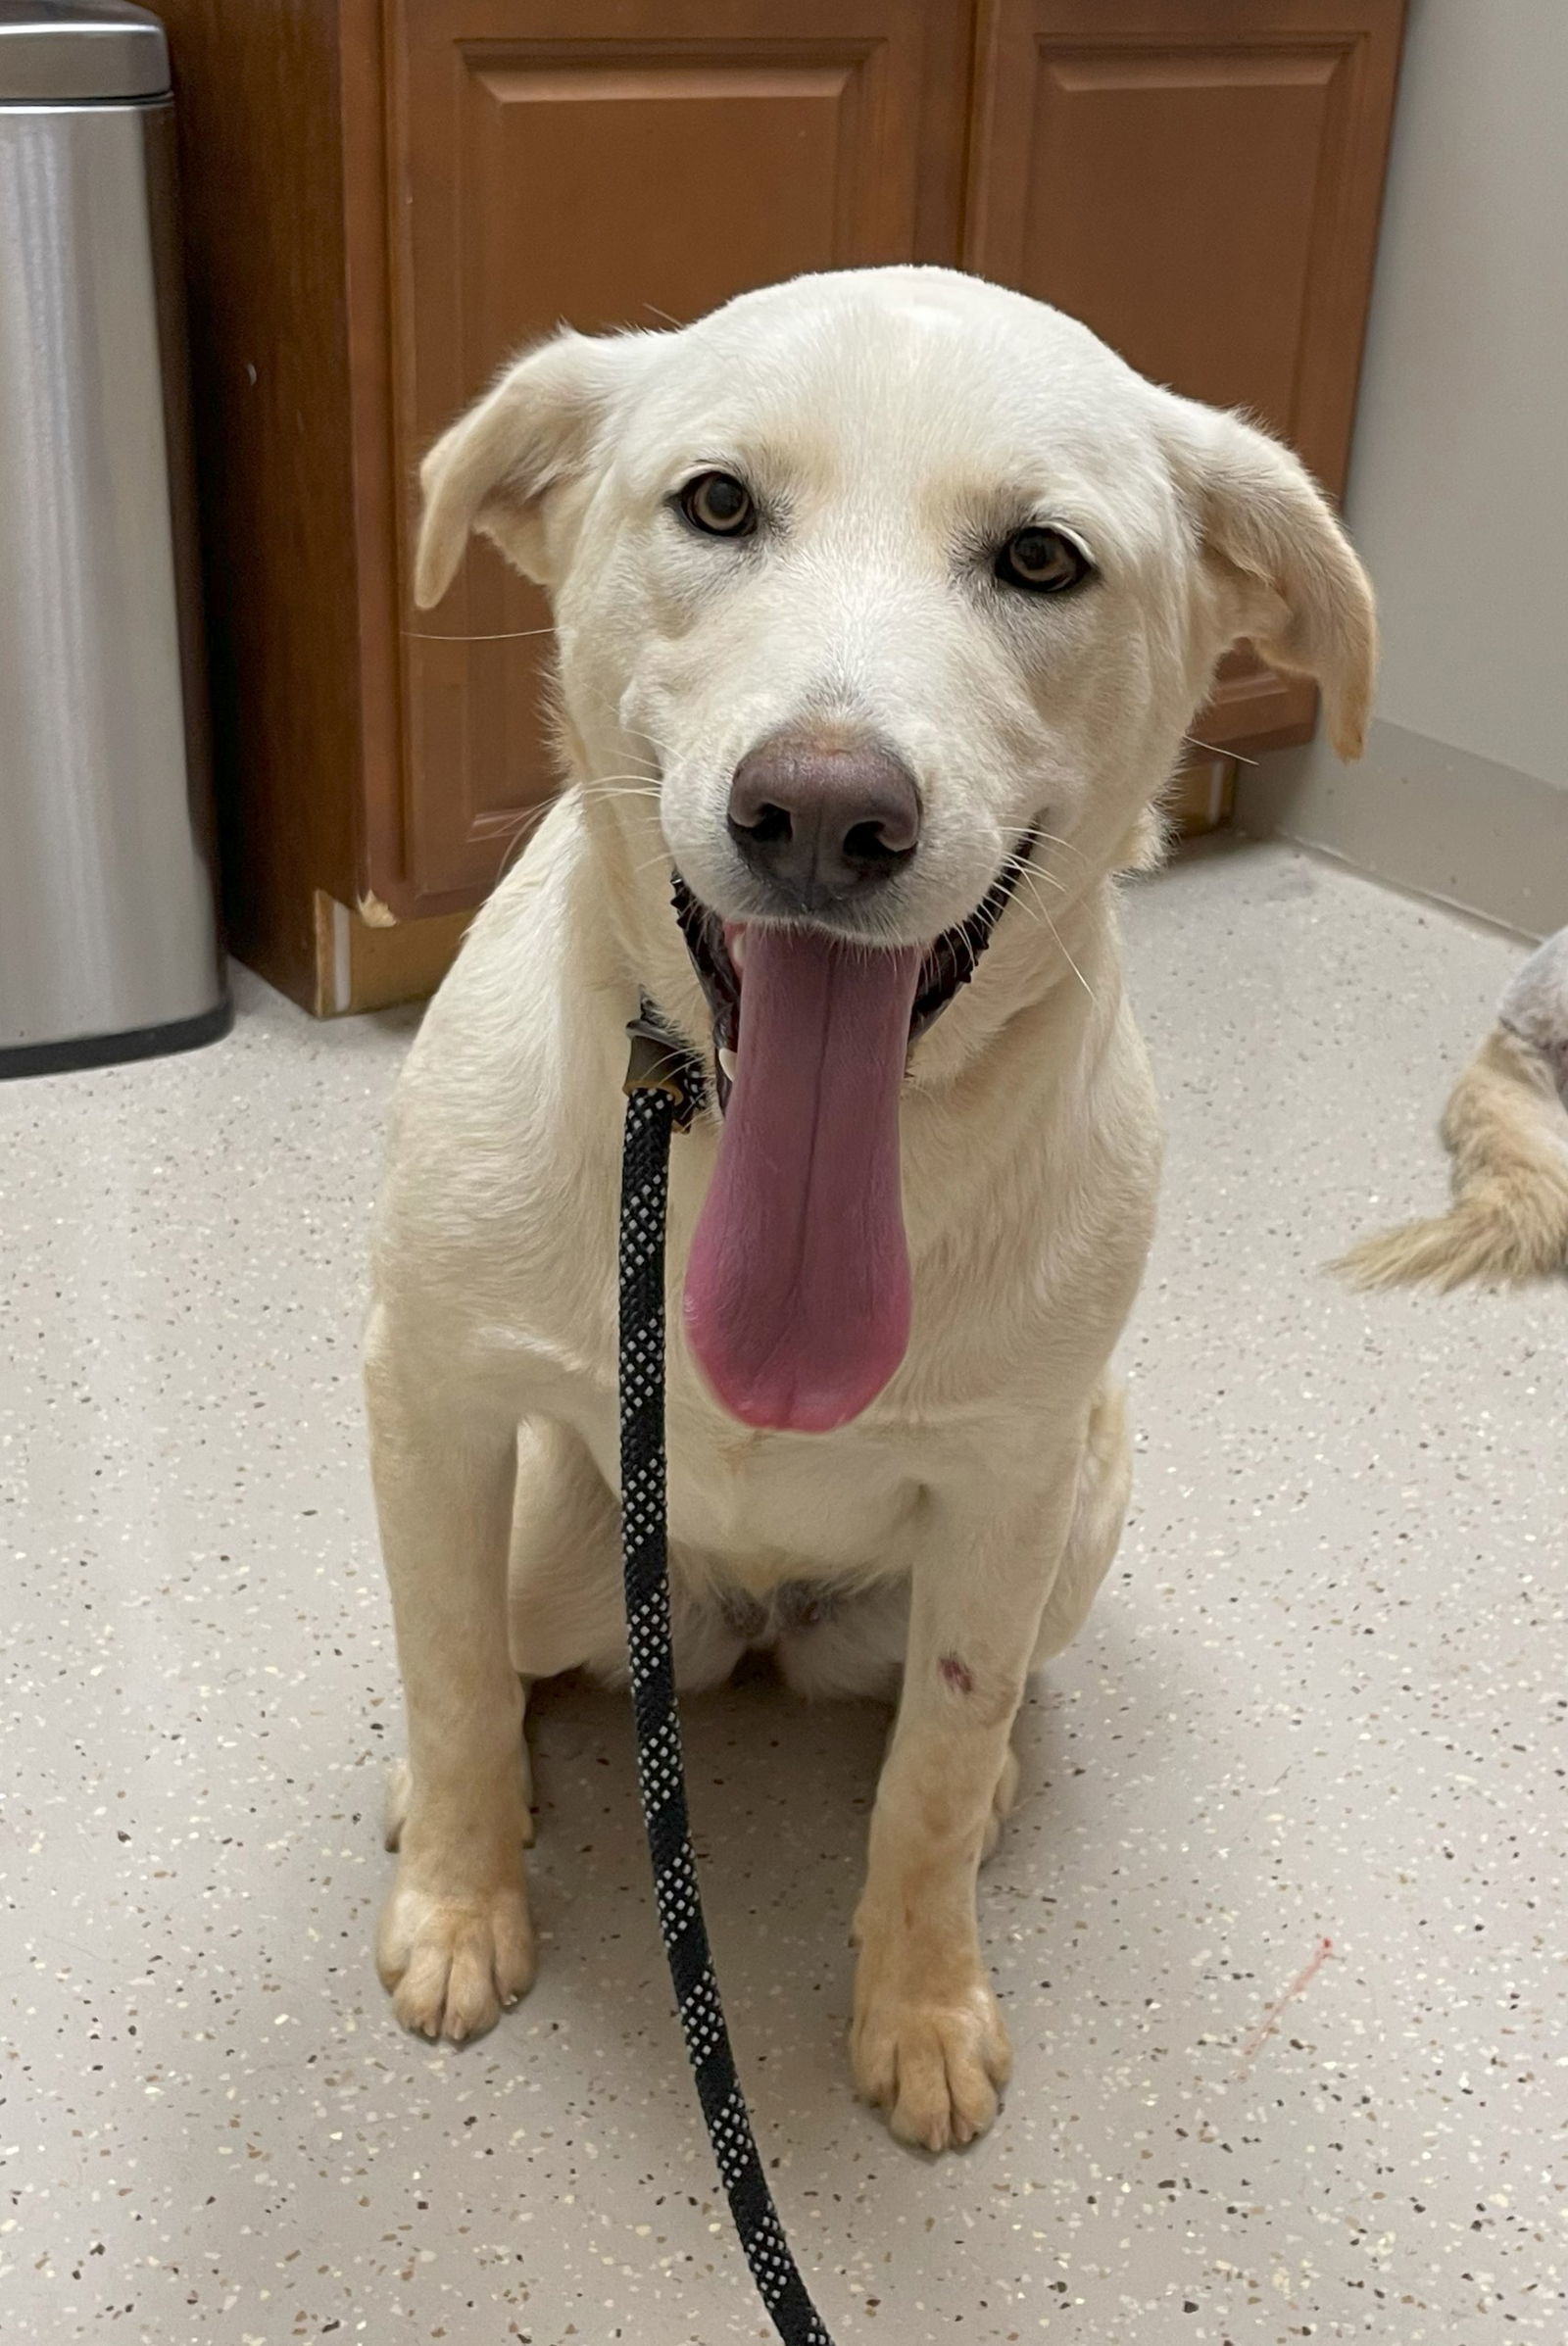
(1436, 821)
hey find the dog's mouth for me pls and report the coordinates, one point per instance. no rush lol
(717, 948)
(798, 1297)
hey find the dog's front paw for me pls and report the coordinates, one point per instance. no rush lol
(935, 2064)
(452, 1962)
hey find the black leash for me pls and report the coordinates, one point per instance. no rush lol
(664, 1093)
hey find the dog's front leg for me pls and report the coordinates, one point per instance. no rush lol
(928, 2044)
(455, 1943)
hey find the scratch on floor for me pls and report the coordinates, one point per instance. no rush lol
(1255, 2043)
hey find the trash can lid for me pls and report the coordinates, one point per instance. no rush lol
(55, 51)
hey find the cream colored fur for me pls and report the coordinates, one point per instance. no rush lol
(898, 420)
(1507, 1127)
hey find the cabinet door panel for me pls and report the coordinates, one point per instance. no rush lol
(614, 163)
(1200, 182)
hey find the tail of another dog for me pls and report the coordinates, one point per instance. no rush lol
(1506, 1126)
(1508, 1131)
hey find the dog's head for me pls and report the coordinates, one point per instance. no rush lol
(889, 582)
(883, 571)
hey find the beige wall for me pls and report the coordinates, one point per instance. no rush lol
(1458, 493)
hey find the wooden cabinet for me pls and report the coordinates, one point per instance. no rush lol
(1200, 182)
(387, 196)
(560, 158)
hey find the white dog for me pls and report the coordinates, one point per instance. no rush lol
(883, 601)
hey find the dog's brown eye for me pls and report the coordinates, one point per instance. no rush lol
(1043, 562)
(720, 505)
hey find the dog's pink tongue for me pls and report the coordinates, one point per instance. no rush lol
(798, 1288)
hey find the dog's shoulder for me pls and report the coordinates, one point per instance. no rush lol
(508, 1110)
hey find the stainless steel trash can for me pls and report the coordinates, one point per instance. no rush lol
(108, 938)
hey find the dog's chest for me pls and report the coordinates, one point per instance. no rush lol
(784, 1504)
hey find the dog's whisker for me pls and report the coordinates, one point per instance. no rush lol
(1055, 839)
(662, 858)
(620, 786)
(1031, 911)
(1066, 956)
(1040, 915)
(1035, 873)
(507, 635)
(1035, 914)
(1028, 911)
(1027, 875)
(1019, 832)
(1214, 750)
(516, 840)
(650, 775)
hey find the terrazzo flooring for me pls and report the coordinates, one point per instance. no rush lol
(1323, 1699)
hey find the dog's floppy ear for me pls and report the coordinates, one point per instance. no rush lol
(496, 467)
(1287, 576)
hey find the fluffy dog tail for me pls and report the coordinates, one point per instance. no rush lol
(1506, 1126)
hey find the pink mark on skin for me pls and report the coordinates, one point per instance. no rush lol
(1270, 2021)
(957, 1674)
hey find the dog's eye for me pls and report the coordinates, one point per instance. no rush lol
(719, 505)
(1043, 562)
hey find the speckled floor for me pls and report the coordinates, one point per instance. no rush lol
(1325, 1696)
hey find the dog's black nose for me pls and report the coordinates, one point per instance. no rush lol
(823, 818)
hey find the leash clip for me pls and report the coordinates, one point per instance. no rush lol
(658, 1062)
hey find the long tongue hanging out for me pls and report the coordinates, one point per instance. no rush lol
(798, 1288)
